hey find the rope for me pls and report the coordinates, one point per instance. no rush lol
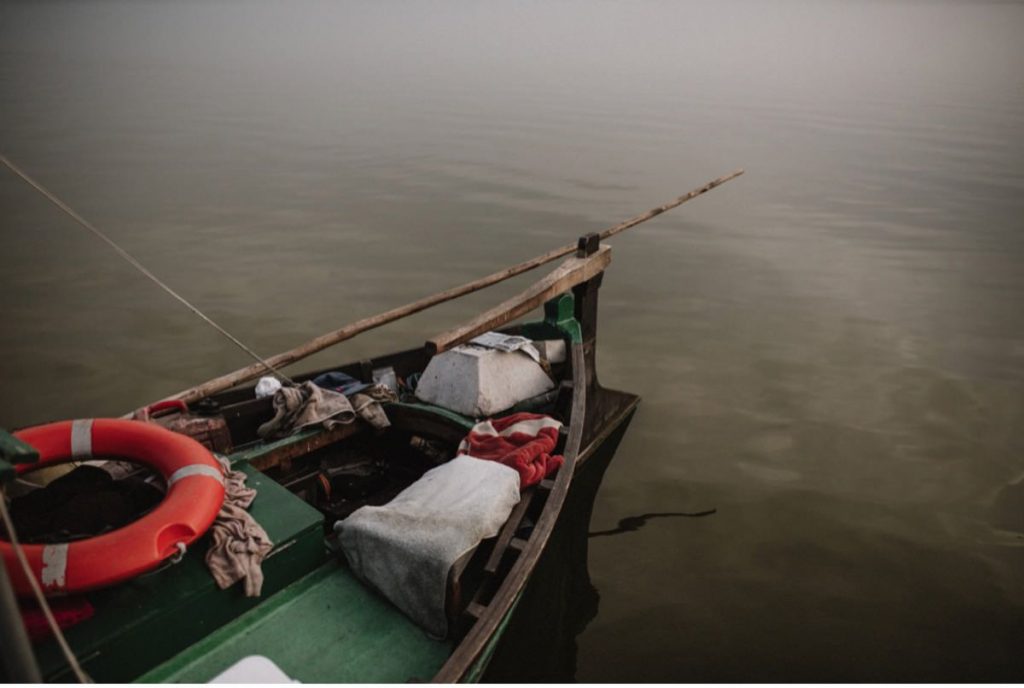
(139, 266)
(632, 523)
(40, 598)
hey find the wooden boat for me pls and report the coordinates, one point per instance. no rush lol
(314, 619)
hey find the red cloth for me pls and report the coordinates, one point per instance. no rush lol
(523, 441)
(67, 611)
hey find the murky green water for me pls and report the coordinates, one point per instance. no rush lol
(830, 349)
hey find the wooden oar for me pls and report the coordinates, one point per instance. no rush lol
(573, 271)
(219, 384)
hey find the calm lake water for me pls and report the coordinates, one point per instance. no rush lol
(830, 348)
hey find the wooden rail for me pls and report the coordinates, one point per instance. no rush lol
(574, 271)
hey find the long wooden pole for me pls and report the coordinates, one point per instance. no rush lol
(219, 384)
(572, 271)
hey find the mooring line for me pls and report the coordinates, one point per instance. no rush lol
(139, 266)
(37, 591)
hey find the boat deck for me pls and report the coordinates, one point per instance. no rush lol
(325, 628)
(150, 618)
(177, 626)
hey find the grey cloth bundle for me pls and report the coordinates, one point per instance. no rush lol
(406, 547)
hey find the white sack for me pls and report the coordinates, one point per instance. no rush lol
(405, 548)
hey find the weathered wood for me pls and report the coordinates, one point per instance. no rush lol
(472, 646)
(572, 272)
(518, 544)
(476, 610)
(508, 531)
(324, 341)
(267, 456)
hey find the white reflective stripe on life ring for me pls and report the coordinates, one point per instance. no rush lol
(195, 469)
(81, 439)
(55, 566)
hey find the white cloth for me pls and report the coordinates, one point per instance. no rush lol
(507, 343)
(406, 548)
(267, 386)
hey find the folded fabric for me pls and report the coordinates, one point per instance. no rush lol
(238, 543)
(365, 397)
(367, 405)
(523, 441)
(406, 548)
(307, 404)
(507, 343)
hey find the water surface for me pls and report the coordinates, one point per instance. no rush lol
(830, 349)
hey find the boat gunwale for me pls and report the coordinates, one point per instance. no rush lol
(473, 645)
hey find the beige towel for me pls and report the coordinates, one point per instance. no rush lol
(239, 543)
(307, 404)
(367, 405)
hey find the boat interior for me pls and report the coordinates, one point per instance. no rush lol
(175, 625)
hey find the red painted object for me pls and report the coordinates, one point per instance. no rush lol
(67, 612)
(523, 441)
(195, 493)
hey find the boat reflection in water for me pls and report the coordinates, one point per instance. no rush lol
(539, 644)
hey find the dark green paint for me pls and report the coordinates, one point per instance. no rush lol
(13, 451)
(325, 628)
(259, 449)
(442, 413)
(560, 312)
(150, 618)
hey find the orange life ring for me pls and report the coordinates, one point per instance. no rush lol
(195, 492)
